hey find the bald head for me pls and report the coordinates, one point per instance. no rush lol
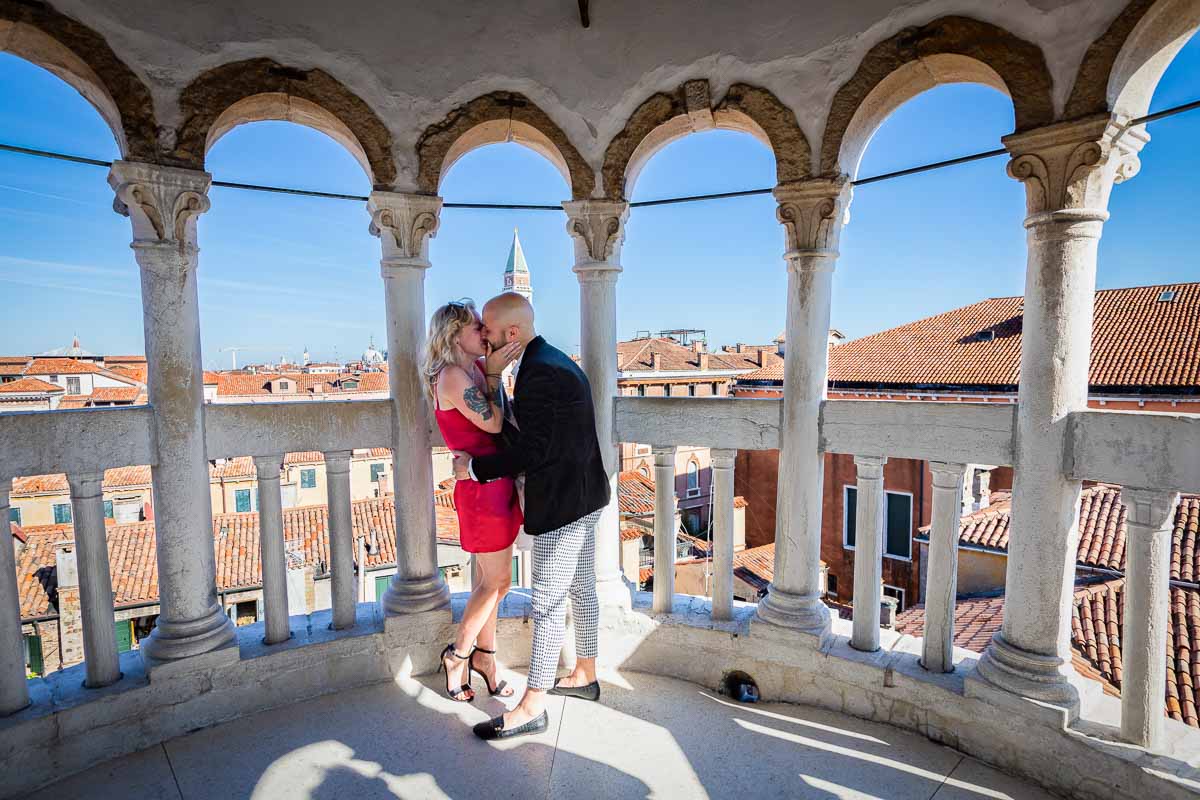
(508, 318)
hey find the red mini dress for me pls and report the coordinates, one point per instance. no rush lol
(489, 514)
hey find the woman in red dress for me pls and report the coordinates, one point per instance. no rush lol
(457, 361)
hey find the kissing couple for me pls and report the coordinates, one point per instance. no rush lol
(546, 433)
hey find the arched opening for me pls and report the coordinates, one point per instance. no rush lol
(496, 118)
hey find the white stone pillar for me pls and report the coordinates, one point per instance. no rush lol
(1068, 170)
(163, 204)
(869, 517)
(101, 661)
(14, 688)
(598, 229)
(272, 553)
(404, 223)
(941, 585)
(1150, 517)
(812, 213)
(341, 538)
(665, 533)
(722, 527)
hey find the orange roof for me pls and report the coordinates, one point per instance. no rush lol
(114, 394)
(59, 366)
(635, 493)
(134, 569)
(1137, 341)
(637, 355)
(135, 371)
(117, 478)
(74, 401)
(239, 383)
(29, 386)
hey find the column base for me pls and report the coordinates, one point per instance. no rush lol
(1055, 690)
(186, 646)
(806, 614)
(613, 592)
(414, 595)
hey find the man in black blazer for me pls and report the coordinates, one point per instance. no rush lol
(554, 444)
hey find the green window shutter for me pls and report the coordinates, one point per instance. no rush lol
(376, 471)
(851, 511)
(62, 513)
(108, 510)
(33, 650)
(124, 630)
(516, 570)
(308, 479)
(899, 525)
(381, 584)
(241, 499)
(14, 515)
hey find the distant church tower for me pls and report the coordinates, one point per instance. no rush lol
(516, 271)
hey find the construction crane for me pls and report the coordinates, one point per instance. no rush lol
(234, 351)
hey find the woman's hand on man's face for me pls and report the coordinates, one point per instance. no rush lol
(496, 360)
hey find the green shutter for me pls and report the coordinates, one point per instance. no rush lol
(376, 471)
(381, 584)
(241, 500)
(62, 513)
(124, 630)
(851, 511)
(899, 525)
(14, 515)
(308, 479)
(34, 663)
(108, 510)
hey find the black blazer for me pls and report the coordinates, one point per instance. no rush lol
(554, 442)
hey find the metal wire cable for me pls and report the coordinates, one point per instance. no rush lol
(887, 176)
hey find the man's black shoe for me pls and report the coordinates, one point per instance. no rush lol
(494, 728)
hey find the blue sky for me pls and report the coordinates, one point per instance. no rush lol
(279, 273)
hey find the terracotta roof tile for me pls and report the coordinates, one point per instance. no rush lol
(115, 394)
(635, 493)
(1137, 341)
(116, 478)
(60, 366)
(74, 401)
(29, 386)
(240, 384)
(637, 355)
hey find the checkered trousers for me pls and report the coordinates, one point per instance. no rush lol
(564, 562)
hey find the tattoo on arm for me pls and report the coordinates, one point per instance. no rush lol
(477, 402)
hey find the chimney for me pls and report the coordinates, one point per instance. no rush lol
(699, 346)
(702, 357)
(762, 358)
(70, 613)
(887, 612)
(741, 348)
(656, 362)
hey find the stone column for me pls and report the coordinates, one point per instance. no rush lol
(341, 539)
(598, 229)
(665, 538)
(273, 554)
(14, 689)
(163, 204)
(1068, 171)
(941, 584)
(870, 513)
(1150, 517)
(95, 581)
(812, 213)
(722, 538)
(404, 223)
(70, 609)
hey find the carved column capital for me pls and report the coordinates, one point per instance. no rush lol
(813, 213)
(1069, 169)
(404, 224)
(1148, 510)
(947, 474)
(598, 229)
(163, 203)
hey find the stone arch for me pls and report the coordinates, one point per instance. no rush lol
(662, 118)
(499, 117)
(946, 50)
(82, 58)
(1121, 69)
(261, 89)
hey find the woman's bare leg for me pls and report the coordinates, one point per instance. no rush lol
(490, 580)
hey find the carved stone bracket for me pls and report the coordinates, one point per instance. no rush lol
(598, 228)
(163, 203)
(813, 213)
(404, 224)
(1072, 166)
(699, 105)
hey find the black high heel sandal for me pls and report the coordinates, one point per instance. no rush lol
(466, 687)
(500, 687)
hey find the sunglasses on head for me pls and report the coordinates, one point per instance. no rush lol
(463, 302)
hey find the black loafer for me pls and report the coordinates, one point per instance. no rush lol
(589, 691)
(494, 728)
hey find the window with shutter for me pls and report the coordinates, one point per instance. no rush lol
(308, 479)
(62, 513)
(241, 500)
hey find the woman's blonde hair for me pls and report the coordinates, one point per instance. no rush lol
(440, 346)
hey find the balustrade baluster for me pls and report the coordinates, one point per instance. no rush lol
(665, 540)
(14, 689)
(101, 661)
(341, 538)
(868, 552)
(1149, 516)
(722, 533)
(942, 578)
(273, 557)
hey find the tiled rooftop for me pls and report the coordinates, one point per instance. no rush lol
(637, 355)
(29, 385)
